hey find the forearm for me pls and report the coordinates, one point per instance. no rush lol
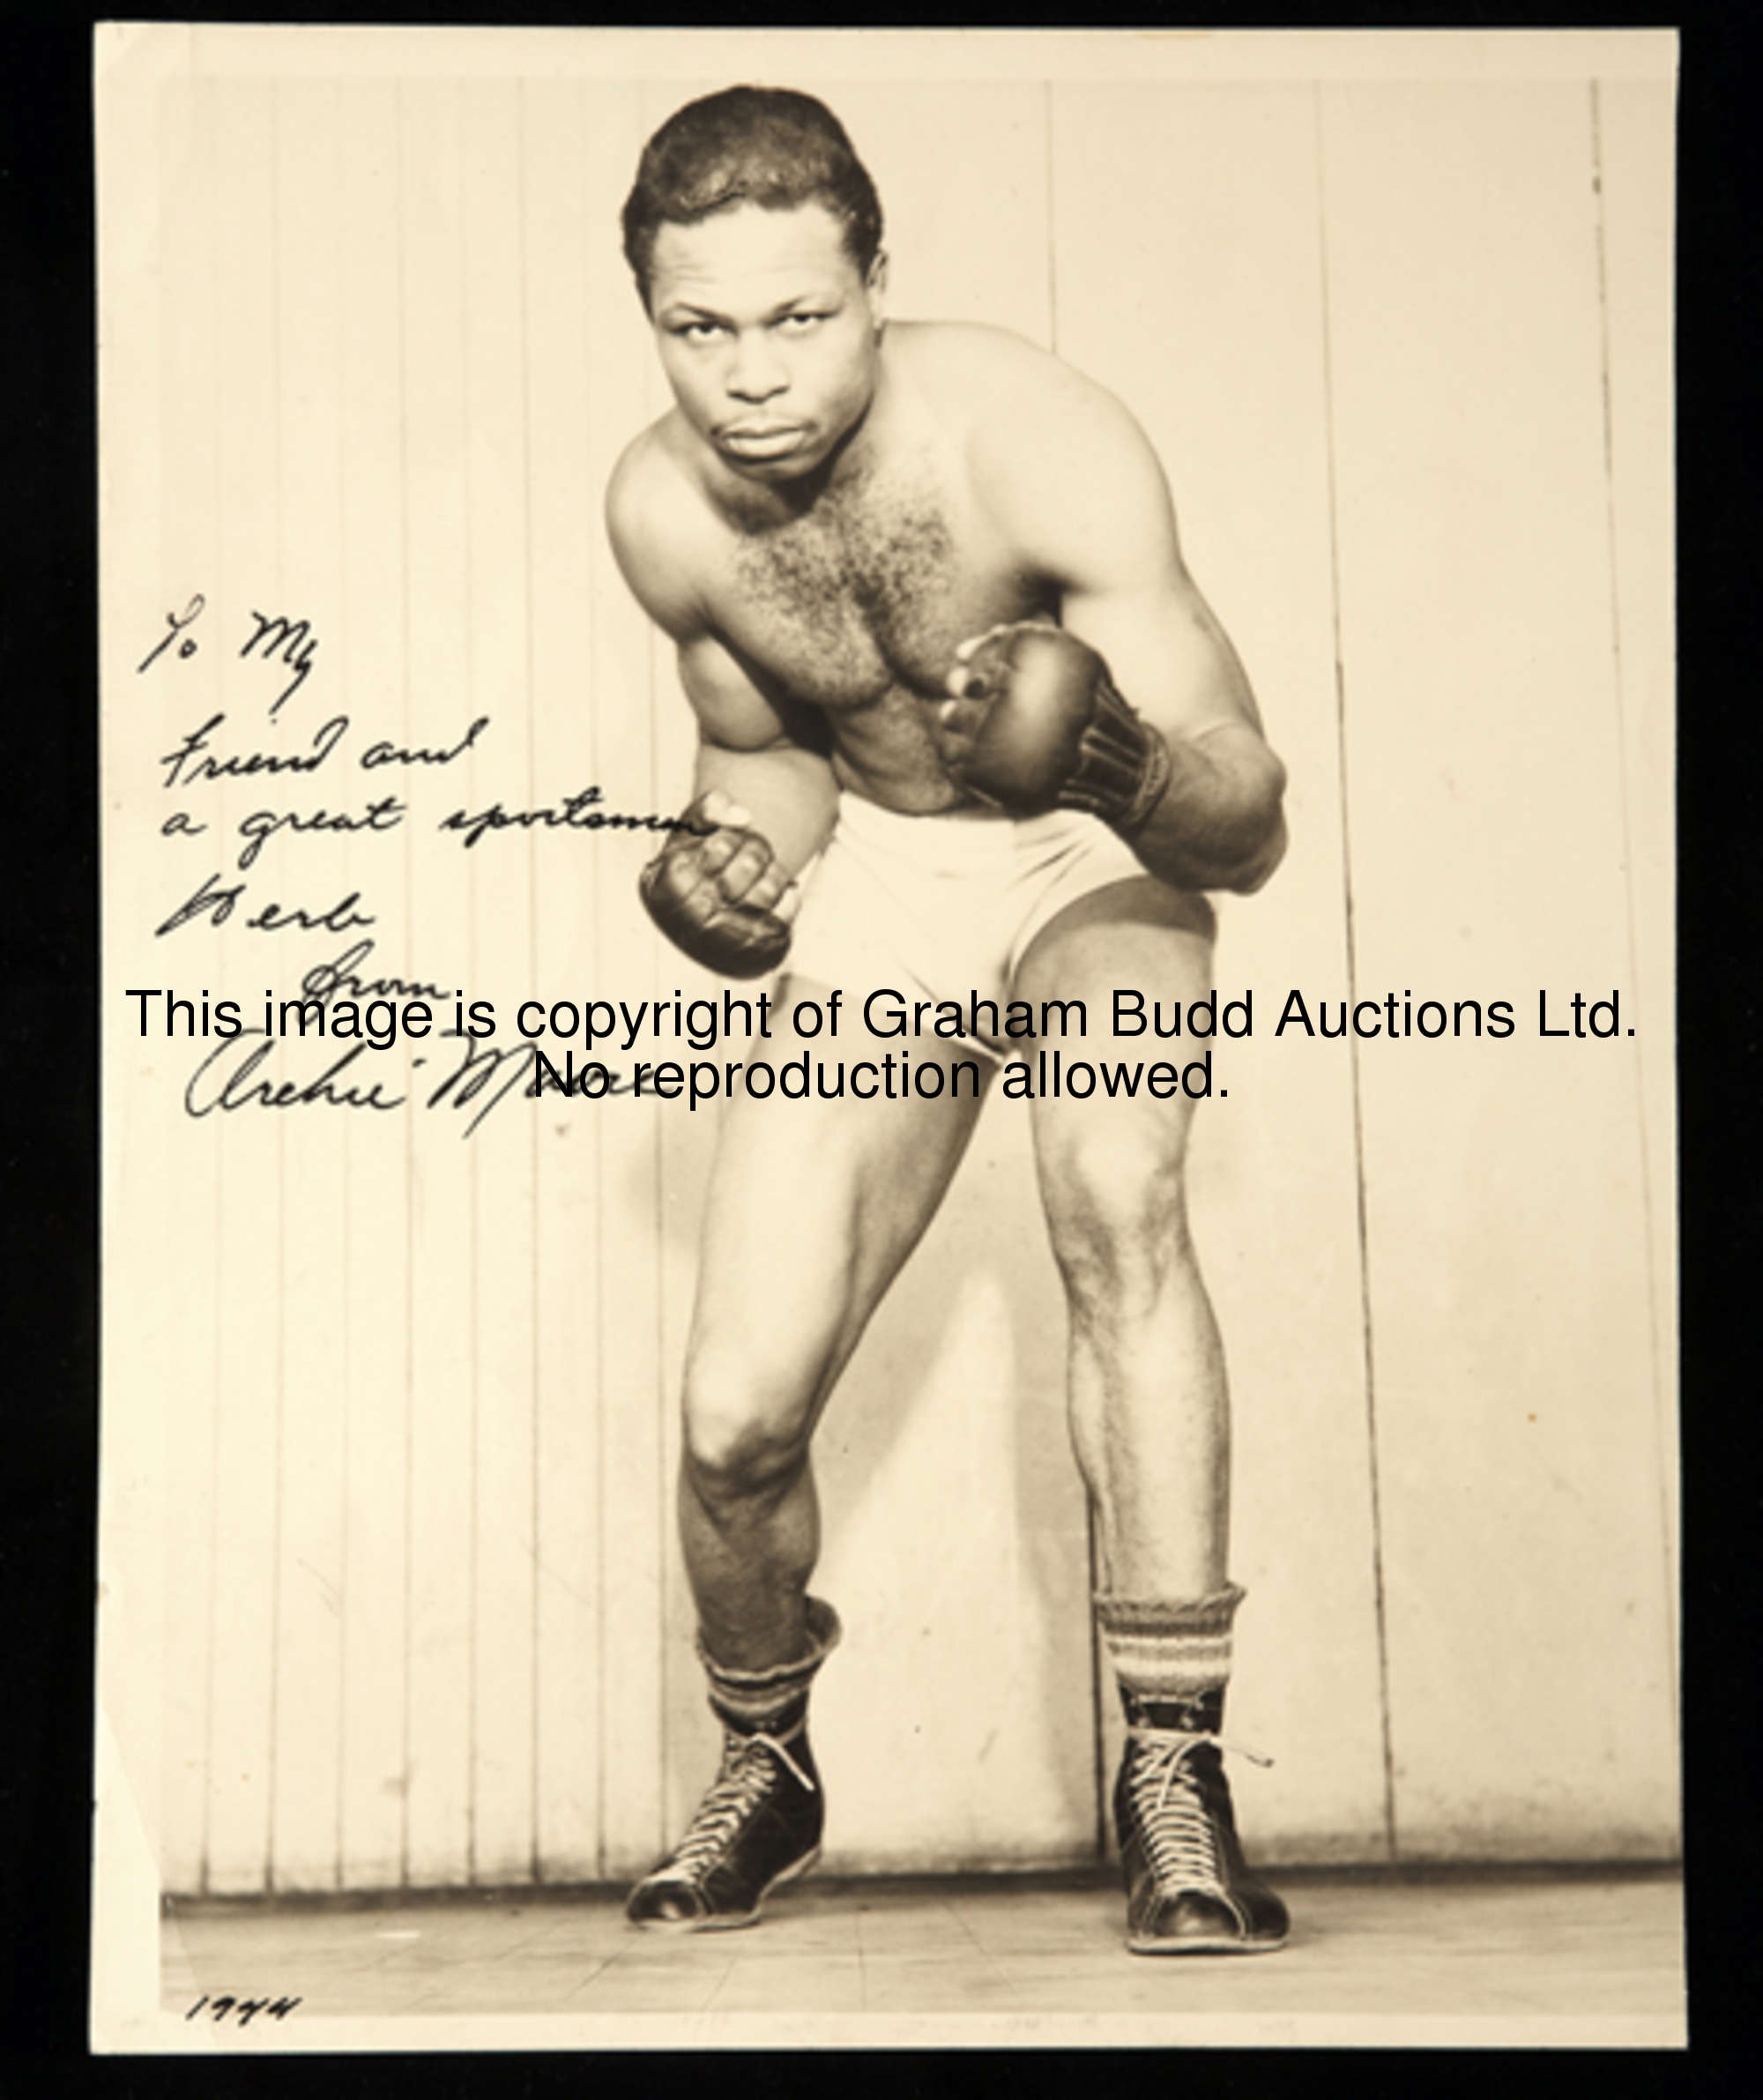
(790, 795)
(1218, 824)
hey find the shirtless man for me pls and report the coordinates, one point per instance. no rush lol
(912, 571)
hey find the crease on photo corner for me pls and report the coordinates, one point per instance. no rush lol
(123, 2000)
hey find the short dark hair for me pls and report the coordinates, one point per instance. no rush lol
(770, 146)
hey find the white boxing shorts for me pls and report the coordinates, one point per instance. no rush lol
(944, 907)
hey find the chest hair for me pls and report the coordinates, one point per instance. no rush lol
(855, 596)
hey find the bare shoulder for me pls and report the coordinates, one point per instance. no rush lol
(656, 521)
(1019, 404)
(1059, 460)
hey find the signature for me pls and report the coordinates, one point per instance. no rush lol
(233, 1075)
(235, 1085)
(227, 1076)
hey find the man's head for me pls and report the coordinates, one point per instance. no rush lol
(769, 146)
(754, 234)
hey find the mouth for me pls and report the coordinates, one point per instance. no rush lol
(762, 440)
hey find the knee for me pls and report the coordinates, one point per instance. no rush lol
(740, 1443)
(1118, 1219)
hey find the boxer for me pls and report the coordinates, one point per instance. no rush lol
(965, 724)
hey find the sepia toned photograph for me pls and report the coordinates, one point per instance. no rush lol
(889, 1247)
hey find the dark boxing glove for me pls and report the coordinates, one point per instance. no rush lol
(1054, 733)
(694, 889)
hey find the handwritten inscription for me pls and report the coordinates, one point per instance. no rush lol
(226, 1080)
(290, 642)
(195, 751)
(574, 813)
(175, 622)
(339, 980)
(347, 1010)
(233, 1075)
(210, 902)
(338, 920)
(226, 2006)
(262, 825)
(214, 902)
(274, 638)
(384, 753)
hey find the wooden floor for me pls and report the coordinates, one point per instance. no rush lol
(1570, 1958)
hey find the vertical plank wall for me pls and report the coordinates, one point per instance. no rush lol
(1512, 1361)
(424, 1619)
(379, 682)
(1633, 146)
(250, 1222)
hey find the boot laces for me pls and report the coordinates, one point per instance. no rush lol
(1179, 1832)
(737, 1790)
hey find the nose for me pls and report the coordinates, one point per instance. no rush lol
(757, 372)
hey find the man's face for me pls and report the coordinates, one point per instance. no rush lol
(769, 338)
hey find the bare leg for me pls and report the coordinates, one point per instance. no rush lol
(1151, 1424)
(814, 1206)
(1149, 1417)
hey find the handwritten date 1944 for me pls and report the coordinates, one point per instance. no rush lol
(246, 2008)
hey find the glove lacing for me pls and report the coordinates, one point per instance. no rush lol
(1180, 1837)
(737, 1790)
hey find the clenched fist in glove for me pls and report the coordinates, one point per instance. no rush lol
(718, 893)
(1034, 724)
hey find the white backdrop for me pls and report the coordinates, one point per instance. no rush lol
(391, 1592)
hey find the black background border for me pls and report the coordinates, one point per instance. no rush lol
(49, 822)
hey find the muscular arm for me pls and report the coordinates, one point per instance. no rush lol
(760, 756)
(722, 888)
(747, 750)
(1087, 501)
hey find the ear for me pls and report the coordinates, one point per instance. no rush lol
(876, 288)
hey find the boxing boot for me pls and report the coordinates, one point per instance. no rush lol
(759, 1826)
(1189, 1890)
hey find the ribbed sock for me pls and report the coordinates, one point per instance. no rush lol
(1171, 1659)
(771, 1701)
